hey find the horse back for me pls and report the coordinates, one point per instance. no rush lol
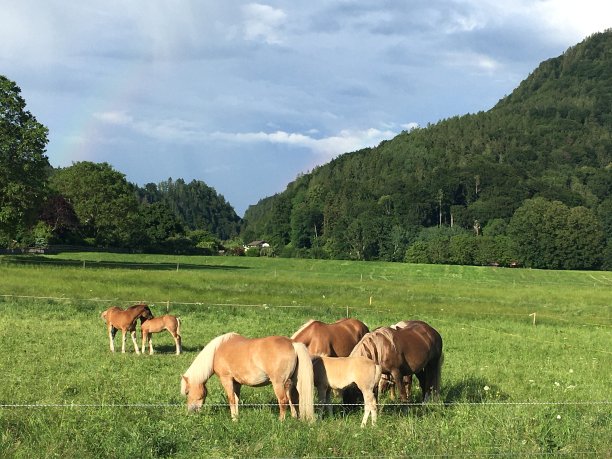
(256, 361)
(420, 343)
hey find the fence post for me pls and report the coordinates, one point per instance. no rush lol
(534, 317)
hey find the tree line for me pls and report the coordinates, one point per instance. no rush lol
(93, 204)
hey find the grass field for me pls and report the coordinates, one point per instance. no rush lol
(510, 388)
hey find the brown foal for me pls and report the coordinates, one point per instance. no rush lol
(125, 320)
(159, 324)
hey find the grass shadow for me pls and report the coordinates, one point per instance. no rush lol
(473, 390)
(146, 266)
(171, 349)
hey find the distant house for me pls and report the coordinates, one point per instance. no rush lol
(257, 244)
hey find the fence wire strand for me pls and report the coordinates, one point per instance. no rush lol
(263, 405)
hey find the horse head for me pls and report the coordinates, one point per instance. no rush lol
(196, 394)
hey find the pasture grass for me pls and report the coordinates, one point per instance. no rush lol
(509, 388)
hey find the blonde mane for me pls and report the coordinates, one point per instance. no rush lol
(369, 344)
(401, 324)
(202, 367)
(302, 328)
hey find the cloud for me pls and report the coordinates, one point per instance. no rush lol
(262, 23)
(326, 147)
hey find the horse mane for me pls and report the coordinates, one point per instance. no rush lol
(202, 367)
(370, 345)
(302, 328)
(399, 325)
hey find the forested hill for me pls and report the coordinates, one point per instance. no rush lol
(474, 174)
(197, 205)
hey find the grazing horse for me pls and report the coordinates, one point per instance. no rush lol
(117, 318)
(415, 349)
(237, 360)
(386, 382)
(159, 324)
(334, 340)
(341, 372)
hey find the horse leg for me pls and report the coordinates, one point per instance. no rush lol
(427, 380)
(112, 331)
(177, 341)
(399, 382)
(292, 396)
(279, 391)
(151, 351)
(328, 404)
(232, 389)
(369, 406)
(408, 385)
(136, 348)
(145, 336)
(123, 341)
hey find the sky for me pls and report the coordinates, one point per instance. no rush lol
(245, 96)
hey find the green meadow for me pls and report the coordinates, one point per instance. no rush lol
(527, 371)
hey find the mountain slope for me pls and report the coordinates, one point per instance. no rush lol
(550, 138)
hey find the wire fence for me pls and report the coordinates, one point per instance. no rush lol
(485, 404)
(169, 303)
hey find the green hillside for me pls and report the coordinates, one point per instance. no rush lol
(472, 189)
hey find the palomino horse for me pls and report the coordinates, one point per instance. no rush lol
(335, 340)
(341, 372)
(125, 320)
(237, 360)
(159, 324)
(415, 349)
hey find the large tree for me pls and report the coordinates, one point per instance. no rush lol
(23, 164)
(105, 203)
(549, 234)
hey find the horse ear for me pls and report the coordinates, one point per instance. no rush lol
(184, 385)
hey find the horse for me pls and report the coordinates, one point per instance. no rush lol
(415, 349)
(237, 361)
(159, 324)
(386, 382)
(117, 318)
(334, 340)
(341, 372)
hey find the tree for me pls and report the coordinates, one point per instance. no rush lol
(550, 235)
(159, 223)
(23, 164)
(105, 203)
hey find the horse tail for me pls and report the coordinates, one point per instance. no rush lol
(305, 382)
(178, 326)
(377, 376)
(438, 380)
(436, 377)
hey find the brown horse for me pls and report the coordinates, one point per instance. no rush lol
(386, 383)
(415, 349)
(341, 372)
(237, 360)
(125, 320)
(335, 340)
(159, 324)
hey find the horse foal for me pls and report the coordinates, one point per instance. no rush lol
(341, 372)
(125, 320)
(159, 324)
